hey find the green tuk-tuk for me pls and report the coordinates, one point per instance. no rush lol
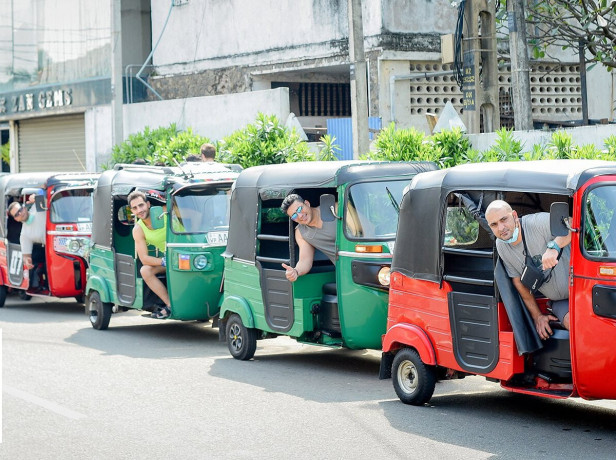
(196, 200)
(341, 305)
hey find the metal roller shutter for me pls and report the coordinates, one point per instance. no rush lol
(52, 144)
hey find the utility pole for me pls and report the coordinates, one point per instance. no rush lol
(117, 118)
(359, 88)
(480, 68)
(520, 67)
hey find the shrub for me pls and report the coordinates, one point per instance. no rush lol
(6, 153)
(161, 145)
(264, 142)
(401, 145)
(450, 146)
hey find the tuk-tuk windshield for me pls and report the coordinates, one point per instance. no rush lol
(201, 211)
(372, 209)
(600, 222)
(71, 206)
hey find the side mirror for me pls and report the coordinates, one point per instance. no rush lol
(328, 208)
(157, 215)
(39, 203)
(559, 216)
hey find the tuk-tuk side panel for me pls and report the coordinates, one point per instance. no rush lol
(592, 335)
(184, 279)
(101, 274)
(425, 305)
(241, 281)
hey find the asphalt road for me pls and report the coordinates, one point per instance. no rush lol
(151, 389)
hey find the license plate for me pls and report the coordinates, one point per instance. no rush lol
(217, 237)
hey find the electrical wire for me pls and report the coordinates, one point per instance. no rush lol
(458, 61)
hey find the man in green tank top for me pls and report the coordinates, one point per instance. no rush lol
(144, 234)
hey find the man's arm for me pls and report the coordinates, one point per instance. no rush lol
(142, 249)
(542, 322)
(306, 257)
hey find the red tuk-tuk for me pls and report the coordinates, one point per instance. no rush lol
(66, 200)
(453, 310)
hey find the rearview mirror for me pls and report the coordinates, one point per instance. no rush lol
(559, 215)
(328, 208)
(157, 215)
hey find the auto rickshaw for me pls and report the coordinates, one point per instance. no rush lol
(195, 198)
(453, 309)
(341, 305)
(66, 200)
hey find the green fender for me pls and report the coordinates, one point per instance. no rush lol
(99, 284)
(235, 304)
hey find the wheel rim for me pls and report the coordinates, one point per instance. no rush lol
(235, 334)
(93, 311)
(407, 376)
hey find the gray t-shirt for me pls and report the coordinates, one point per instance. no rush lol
(536, 229)
(323, 239)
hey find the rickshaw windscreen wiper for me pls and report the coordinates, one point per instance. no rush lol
(393, 200)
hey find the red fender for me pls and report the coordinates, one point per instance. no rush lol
(409, 335)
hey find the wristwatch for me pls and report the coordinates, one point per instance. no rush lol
(552, 245)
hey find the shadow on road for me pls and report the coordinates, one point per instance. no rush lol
(529, 427)
(153, 339)
(40, 310)
(316, 374)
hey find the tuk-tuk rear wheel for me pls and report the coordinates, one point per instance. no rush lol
(3, 292)
(241, 341)
(413, 381)
(98, 311)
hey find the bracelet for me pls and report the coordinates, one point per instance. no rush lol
(296, 272)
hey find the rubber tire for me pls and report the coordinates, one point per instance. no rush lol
(24, 296)
(99, 312)
(3, 292)
(413, 381)
(241, 341)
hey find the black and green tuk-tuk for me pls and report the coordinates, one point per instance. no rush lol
(342, 304)
(196, 199)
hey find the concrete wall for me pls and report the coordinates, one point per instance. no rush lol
(213, 117)
(582, 135)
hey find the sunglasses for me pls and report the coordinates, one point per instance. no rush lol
(19, 212)
(295, 215)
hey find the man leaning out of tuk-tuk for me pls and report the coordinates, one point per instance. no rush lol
(310, 233)
(32, 231)
(144, 234)
(551, 253)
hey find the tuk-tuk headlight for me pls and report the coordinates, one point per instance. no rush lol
(74, 246)
(384, 275)
(200, 262)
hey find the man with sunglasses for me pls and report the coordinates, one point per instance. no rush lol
(32, 231)
(311, 233)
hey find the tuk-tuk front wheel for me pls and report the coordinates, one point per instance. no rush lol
(242, 341)
(414, 382)
(99, 312)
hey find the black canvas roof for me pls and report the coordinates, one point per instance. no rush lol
(277, 181)
(13, 184)
(420, 233)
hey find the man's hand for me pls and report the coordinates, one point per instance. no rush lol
(28, 262)
(542, 324)
(291, 273)
(549, 258)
